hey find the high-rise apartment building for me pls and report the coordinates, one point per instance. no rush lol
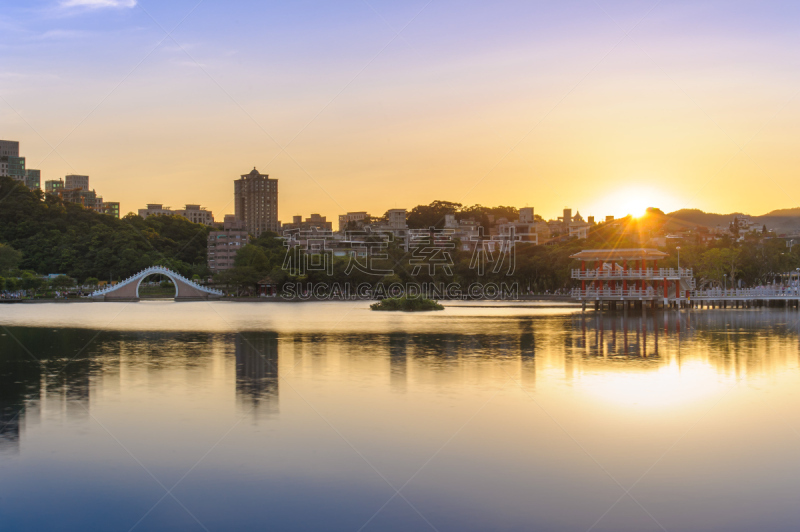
(73, 182)
(12, 165)
(256, 202)
(9, 148)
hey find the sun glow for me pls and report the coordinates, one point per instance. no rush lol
(668, 386)
(634, 201)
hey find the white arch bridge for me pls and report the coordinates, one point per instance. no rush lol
(128, 290)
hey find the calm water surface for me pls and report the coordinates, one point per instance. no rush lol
(327, 416)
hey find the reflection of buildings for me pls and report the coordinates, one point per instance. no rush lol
(9, 426)
(51, 386)
(257, 369)
(398, 361)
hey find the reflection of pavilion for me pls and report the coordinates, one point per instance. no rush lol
(257, 369)
(618, 336)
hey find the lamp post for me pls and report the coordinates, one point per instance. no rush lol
(679, 259)
(725, 276)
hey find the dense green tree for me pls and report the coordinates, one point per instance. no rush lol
(9, 258)
(62, 282)
(64, 237)
(425, 216)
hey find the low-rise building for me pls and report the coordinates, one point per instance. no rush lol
(53, 186)
(315, 221)
(194, 213)
(110, 208)
(224, 245)
(347, 221)
(87, 198)
(155, 209)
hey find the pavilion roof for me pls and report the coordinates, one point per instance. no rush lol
(619, 254)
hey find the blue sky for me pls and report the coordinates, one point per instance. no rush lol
(594, 105)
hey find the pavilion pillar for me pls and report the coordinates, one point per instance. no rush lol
(583, 271)
(624, 276)
(665, 288)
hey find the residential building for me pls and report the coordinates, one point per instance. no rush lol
(224, 245)
(33, 179)
(314, 221)
(155, 209)
(356, 217)
(566, 219)
(524, 229)
(87, 198)
(72, 182)
(9, 148)
(256, 202)
(53, 186)
(397, 219)
(110, 208)
(12, 165)
(194, 213)
(578, 228)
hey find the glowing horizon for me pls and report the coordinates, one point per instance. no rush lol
(597, 107)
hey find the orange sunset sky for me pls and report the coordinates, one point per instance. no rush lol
(605, 107)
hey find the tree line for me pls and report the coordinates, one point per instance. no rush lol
(52, 236)
(42, 235)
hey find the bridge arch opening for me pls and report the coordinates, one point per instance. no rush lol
(161, 275)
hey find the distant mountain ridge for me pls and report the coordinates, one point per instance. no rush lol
(781, 220)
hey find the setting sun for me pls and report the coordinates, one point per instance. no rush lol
(635, 200)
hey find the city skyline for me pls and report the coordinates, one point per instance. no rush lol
(369, 107)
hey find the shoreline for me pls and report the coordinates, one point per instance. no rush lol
(551, 298)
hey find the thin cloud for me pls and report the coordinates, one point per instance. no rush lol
(93, 4)
(60, 34)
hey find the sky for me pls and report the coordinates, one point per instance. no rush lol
(602, 106)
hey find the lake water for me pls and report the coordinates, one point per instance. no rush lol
(328, 416)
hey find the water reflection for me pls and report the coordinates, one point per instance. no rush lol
(474, 391)
(52, 377)
(257, 370)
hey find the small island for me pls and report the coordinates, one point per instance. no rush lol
(406, 304)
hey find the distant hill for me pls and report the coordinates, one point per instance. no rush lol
(780, 220)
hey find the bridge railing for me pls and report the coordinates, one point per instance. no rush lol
(151, 270)
(747, 293)
(608, 293)
(632, 273)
